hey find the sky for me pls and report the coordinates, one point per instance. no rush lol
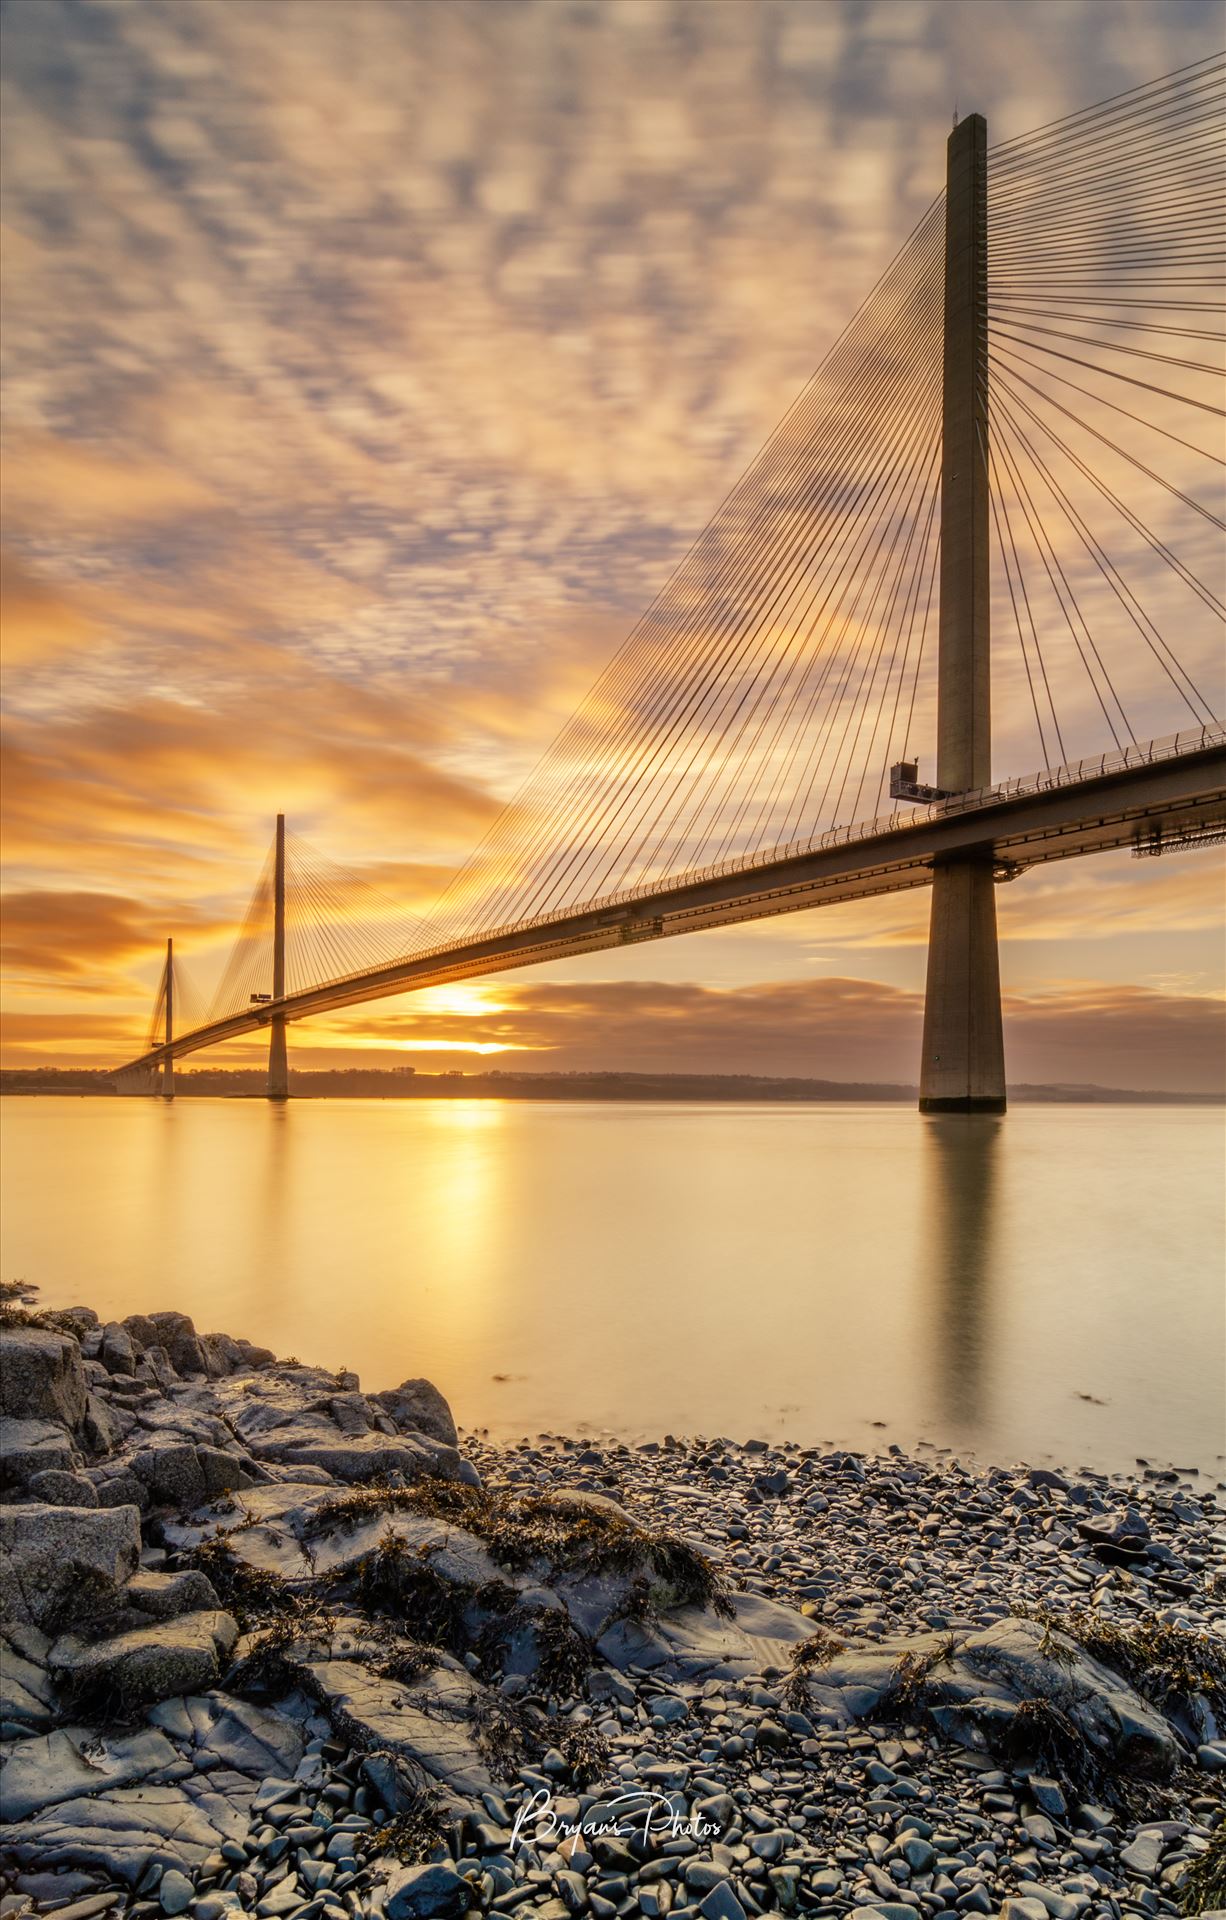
(367, 369)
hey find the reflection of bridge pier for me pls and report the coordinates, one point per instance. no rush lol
(960, 1168)
(278, 1062)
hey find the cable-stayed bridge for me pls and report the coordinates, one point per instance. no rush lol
(989, 528)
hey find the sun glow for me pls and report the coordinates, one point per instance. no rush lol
(469, 1001)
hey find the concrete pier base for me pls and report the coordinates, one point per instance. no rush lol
(963, 1064)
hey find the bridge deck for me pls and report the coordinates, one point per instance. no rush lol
(1165, 788)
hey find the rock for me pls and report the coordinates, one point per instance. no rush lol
(184, 1655)
(171, 1475)
(435, 1892)
(1048, 1798)
(117, 1352)
(100, 1429)
(42, 1771)
(174, 1891)
(42, 1376)
(62, 1565)
(27, 1696)
(1144, 1855)
(252, 1740)
(30, 1447)
(54, 1488)
(419, 1406)
(163, 1596)
(428, 1722)
(721, 1904)
(125, 1832)
(221, 1471)
(1212, 1756)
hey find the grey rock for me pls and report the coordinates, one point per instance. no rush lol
(124, 1832)
(185, 1655)
(721, 1903)
(62, 1565)
(419, 1407)
(27, 1695)
(165, 1595)
(1144, 1855)
(174, 1891)
(117, 1352)
(171, 1474)
(435, 1892)
(30, 1447)
(249, 1739)
(42, 1771)
(42, 1376)
(58, 1489)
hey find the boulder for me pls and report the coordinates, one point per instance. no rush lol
(183, 1655)
(163, 1596)
(222, 1732)
(56, 1488)
(28, 1447)
(171, 1475)
(117, 1352)
(419, 1407)
(61, 1566)
(42, 1376)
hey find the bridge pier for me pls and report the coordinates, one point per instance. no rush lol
(963, 1064)
(278, 1059)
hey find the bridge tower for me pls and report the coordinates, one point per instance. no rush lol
(168, 1064)
(278, 1062)
(963, 1067)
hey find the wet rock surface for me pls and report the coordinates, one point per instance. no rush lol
(274, 1646)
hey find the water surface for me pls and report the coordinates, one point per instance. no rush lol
(1046, 1286)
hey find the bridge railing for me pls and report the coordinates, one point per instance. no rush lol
(1146, 753)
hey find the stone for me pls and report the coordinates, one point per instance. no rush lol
(184, 1655)
(721, 1903)
(434, 1892)
(1048, 1797)
(27, 1695)
(117, 1352)
(1144, 1855)
(419, 1406)
(71, 1761)
(171, 1474)
(54, 1488)
(174, 1891)
(62, 1565)
(42, 1376)
(164, 1595)
(31, 1447)
(125, 1832)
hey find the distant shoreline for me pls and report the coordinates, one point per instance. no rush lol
(363, 1083)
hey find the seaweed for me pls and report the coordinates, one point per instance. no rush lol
(396, 1579)
(1204, 1886)
(522, 1531)
(1166, 1664)
(808, 1657)
(904, 1695)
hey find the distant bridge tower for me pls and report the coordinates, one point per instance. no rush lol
(278, 1062)
(168, 1064)
(963, 1068)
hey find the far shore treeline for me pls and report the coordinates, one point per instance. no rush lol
(405, 1083)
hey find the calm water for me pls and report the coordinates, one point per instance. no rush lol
(1049, 1286)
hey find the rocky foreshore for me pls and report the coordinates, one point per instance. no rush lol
(276, 1646)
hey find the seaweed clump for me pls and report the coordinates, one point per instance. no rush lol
(904, 1695)
(521, 1531)
(1204, 1887)
(1167, 1664)
(809, 1657)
